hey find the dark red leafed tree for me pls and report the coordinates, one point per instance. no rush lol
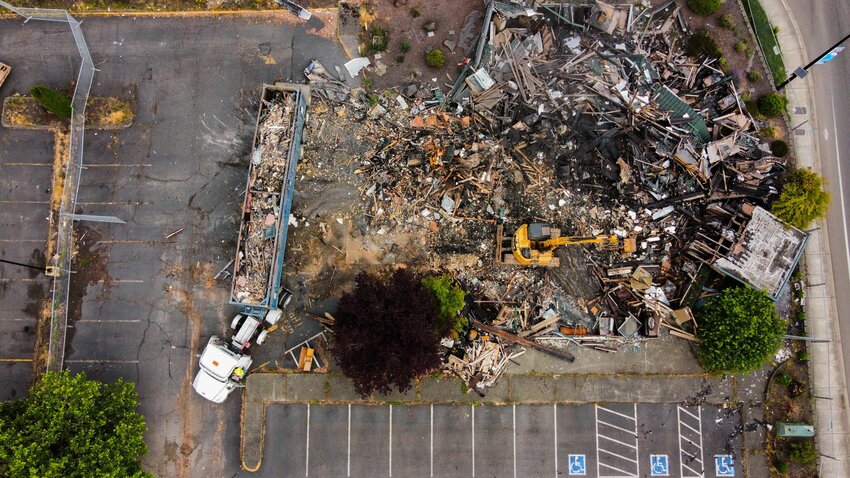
(386, 333)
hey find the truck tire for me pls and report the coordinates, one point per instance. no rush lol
(273, 316)
(262, 337)
(234, 324)
(284, 299)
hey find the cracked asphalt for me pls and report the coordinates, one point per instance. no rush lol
(144, 304)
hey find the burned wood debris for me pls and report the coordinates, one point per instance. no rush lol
(260, 229)
(588, 117)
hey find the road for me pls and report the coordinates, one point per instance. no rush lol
(822, 23)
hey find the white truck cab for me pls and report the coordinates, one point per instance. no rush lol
(223, 365)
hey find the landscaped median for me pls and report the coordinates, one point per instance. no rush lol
(106, 113)
(766, 38)
(262, 389)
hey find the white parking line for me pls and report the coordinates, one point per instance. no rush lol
(307, 458)
(634, 419)
(625, 474)
(555, 421)
(617, 455)
(514, 437)
(391, 441)
(348, 463)
(615, 426)
(695, 454)
(432, 439)
(473, 440)
(633, 447)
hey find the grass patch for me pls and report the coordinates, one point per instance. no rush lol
(766, 39)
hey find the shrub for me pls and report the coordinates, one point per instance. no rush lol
(726, 21)
(404, 47)
(704, 7)
(380, 40)
(772, 104)
(435, 58)
(768, 131)
(796, 389)
(801, 316)
(803, 356)
(741, 46)
(702, 44)
(754, 76)
(415, 13)
(802, 452)
(52, 100)
(399, 59)
(739, 331)
(723, 64)
(779, 148)
(450, 298)
(802, 199)
(784, 379)
(782, 467)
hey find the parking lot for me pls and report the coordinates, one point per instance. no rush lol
(26, 159)
(603, 441)
(143, 304)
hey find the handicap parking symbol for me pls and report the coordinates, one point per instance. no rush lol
(724, 465)
(578, 465)
(659, 465)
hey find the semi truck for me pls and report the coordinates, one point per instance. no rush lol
(256, 290)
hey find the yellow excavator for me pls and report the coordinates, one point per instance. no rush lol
(534, 244)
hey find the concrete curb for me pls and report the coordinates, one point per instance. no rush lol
(264, 389)
(826, 363)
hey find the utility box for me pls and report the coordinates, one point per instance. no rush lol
(784, 429)
(4, 72)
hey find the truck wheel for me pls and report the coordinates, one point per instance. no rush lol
(234, 324)
(273, 316)
(262, 337)
(285, 299)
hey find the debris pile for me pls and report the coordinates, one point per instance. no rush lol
(259, 231)
(591, 118)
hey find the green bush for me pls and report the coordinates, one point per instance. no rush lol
(803, 356)
(802, 452)
(784, 379)
(801, 316)
(380, 40)
(404, 47)
(399, 59)
(450, 300)
(802, 199)
(768, 131)
(415, 13)
(772, 104)
(754, 76)
(779, 148)
(723, 64)
(704, 7)
(726, 21)
(741, 46)
(782, 467)
(52, 100)
(739, 331)
(702, 44)
(435, 58)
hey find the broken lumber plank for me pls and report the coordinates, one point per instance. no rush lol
(515, 339)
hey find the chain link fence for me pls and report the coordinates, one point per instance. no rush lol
(65, 235)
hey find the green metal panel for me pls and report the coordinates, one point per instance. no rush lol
(784, 429)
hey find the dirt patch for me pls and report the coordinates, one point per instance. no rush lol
(90, 266)
(101, 113)
(404, 22)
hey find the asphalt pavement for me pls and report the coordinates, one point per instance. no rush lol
(510, 441)
(144, 304)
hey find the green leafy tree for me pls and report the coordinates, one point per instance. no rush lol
(70, 426)
(704, 7)
(739, 330)
(435, 58)
(802, 199)
(52, 100)
(450, 298)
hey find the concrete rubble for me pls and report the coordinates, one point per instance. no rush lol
(591, 118)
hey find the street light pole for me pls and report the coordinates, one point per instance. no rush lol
(801, 72)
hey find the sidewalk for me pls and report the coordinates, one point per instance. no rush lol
(262, 389)
(832, 420)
